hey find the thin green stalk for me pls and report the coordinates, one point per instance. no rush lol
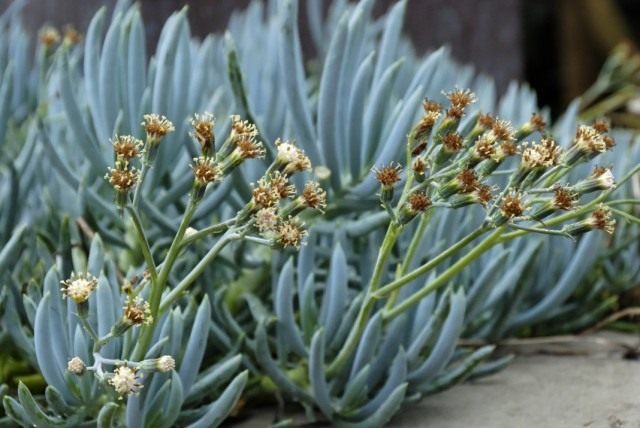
(417, 238)
(367, 305)
(416, 273)
(85, 324)
(156, 288)
(197, 270)
(445, 276)
(209, 230)
(144, 243)
(541, 230)
(143, 174)
(625, 215)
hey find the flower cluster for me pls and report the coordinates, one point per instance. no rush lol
(451, 167)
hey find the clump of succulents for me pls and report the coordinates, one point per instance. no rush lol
(193, 272)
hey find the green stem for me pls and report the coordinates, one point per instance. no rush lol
(625, 215)
(417, 238)
(85, 324)
(156, 288)
(144, 243)
(143, 174)
(445, 276)
(209, 230)
(416, 273)
(197, 270)
(368, 302)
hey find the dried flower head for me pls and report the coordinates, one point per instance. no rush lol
(203, 131)
(589, 140)
(430, 106)
(290, 233)
(49, 36)
(485, 121)
(122, 180)
(71, 35)
(156, 127)
(601, 219)
(249, 148)
(537, 122)
(126, 147)
(452, 142)
(79, 286)
(126, 381)
(291, 158)
(460, 98)
(266, 219)
(264, 195)
(242, 128)
(388, 175)
(512, 205)
(601, 125)
(541, 155)
(508, 148)
(205, 171)
(281, 185)
(483, 194)
(419, 166)
(136, 311)
(76, 366)
(468, 180)
(314, 196)
(485, 147)
(503, 130)
(419, 201)
(564, 198)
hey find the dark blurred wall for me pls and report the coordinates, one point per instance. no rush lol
(486, 33)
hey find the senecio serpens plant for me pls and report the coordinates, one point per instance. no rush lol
(266, 219)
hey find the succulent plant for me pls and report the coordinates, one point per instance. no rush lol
(368, 316)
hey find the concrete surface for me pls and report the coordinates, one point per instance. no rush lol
(586, 384)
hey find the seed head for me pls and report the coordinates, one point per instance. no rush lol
(126, 381)
(430, 106)
(136, 312)
(76, 366)
(290, 233)
(156, 127)
(127, 147)
(388, 175)
(79, 286)
(205, 171)
(508, 148)
(314, 196)
(512, 205)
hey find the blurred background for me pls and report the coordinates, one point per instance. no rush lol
(558, 46)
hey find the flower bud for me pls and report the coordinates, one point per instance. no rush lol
(388, 176)
(76, 366)
(600, 219)
(600, 179)
(164, 364)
